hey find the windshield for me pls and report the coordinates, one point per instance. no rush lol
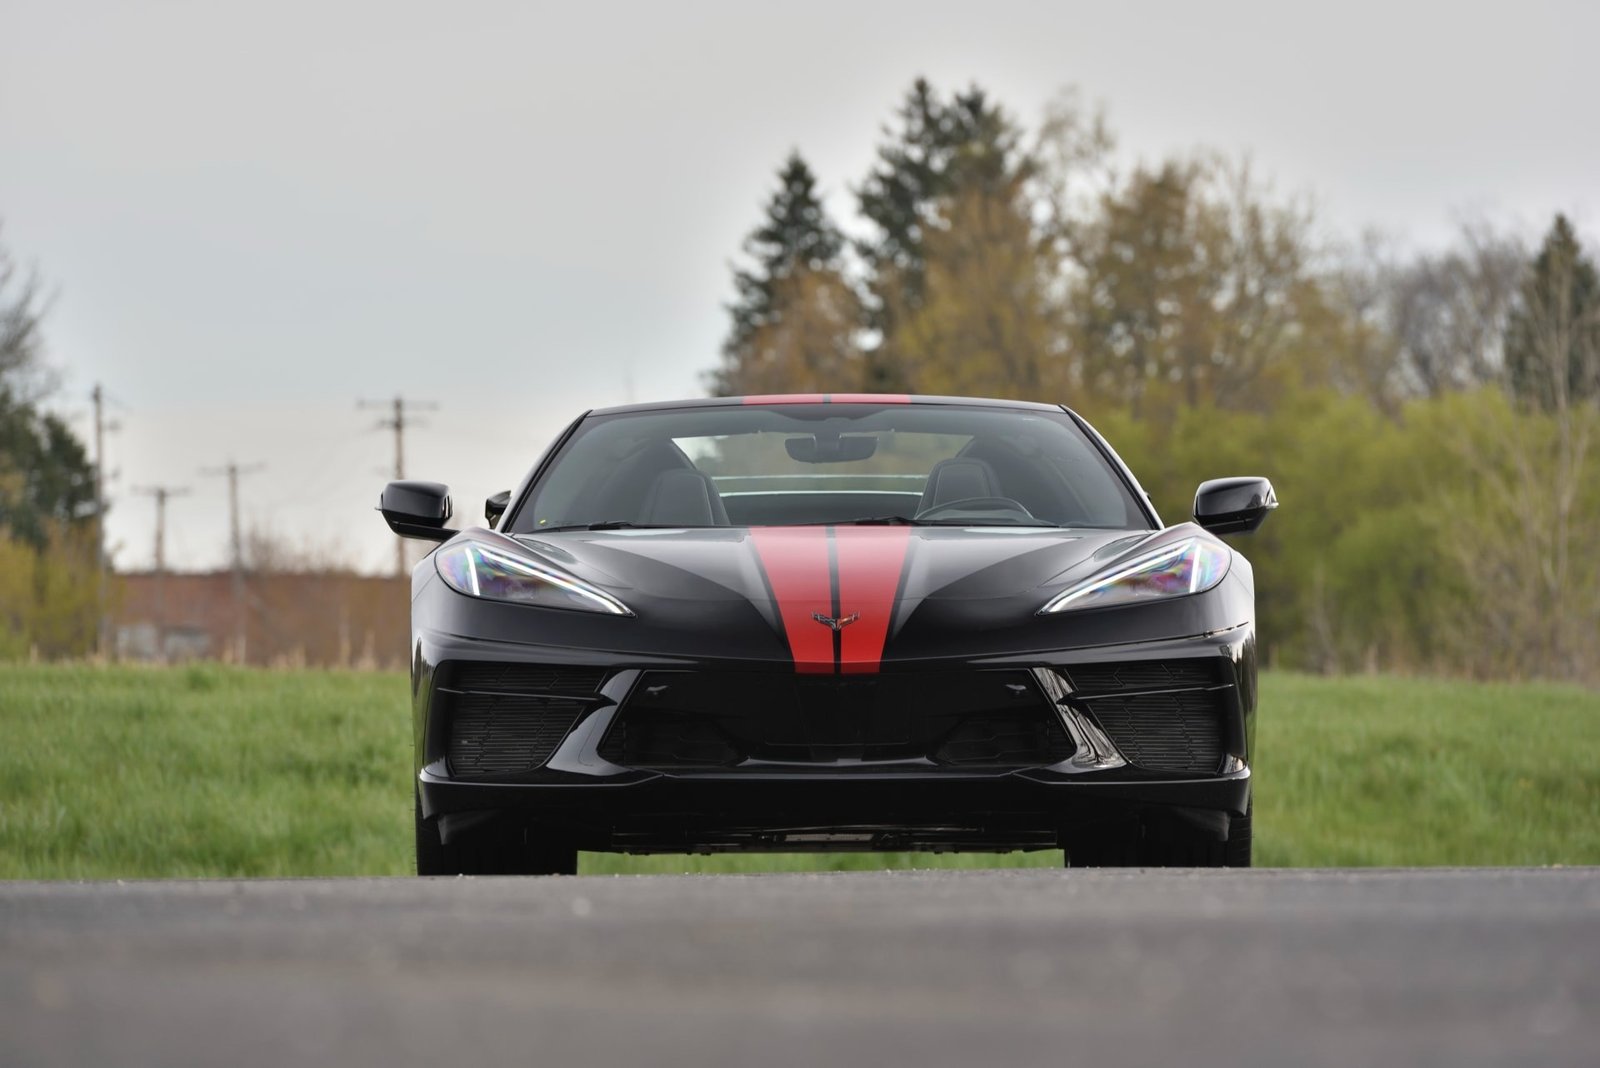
(789, 464)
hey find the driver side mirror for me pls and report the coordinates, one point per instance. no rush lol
(1233, 505)
(417, 509)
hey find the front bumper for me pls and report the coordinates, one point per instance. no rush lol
(580, 795)
(832, 810)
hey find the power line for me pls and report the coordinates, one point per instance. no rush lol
(398, 421)
(233, 472)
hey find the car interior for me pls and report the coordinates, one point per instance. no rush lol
(990, 479)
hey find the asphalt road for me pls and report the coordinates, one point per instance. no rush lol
(948, 968)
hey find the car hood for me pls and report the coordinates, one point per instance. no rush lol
(835, 599)
(763, 563)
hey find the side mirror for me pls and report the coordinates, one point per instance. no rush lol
(1233, 505)
(495, 507)
(417, 509)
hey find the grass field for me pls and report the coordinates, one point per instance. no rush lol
(121, 772)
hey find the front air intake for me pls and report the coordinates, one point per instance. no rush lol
(1162, 715)
(505, 720)
(494, 735)
(1164, 731)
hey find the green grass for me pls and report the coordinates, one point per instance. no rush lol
(210, 771)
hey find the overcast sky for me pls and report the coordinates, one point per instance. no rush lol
(255, 215)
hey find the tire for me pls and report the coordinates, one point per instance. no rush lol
(1160, 843)
(504, 847)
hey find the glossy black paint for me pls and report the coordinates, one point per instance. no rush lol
(967, 598)
(1234, 505)
(701, 593)
(416, 509)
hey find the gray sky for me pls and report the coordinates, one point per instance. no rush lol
(257, 214)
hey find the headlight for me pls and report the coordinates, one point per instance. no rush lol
(480, 570)
(1189, 566)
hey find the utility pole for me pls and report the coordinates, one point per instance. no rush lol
(161, 495)
(102, 602)
(397, 421)
(233, 471)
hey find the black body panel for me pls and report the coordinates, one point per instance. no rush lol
(696, 724)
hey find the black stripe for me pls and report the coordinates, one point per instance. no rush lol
(899, 597)
(772, 595)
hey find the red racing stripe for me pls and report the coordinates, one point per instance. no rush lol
(786, 398)
(870, 562)
(796, 562)
(869, 398)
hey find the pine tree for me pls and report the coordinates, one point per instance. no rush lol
(795, 237)
(1552, 340)
(45, 477)
(942, 152)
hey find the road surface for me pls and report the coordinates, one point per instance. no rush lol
(927, 968)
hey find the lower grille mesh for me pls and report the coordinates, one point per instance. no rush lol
(506, 734)
(564, 680)
(993, 718)
(1145, 675)
(1164, 731)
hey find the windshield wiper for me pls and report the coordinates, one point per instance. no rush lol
(613, 524)
(907, 521)
(979, 521)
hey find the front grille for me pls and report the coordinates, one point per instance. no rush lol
(490, 677)
(1165, 731)
(710, 720)
(506, 734)
(505, 720)
(1146, 675)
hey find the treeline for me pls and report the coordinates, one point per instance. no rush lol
(49, 578)
(1427, 418)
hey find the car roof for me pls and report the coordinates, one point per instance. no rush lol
(824, 398)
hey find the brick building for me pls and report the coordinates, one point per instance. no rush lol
(324, 619)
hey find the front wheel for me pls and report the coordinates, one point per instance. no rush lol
(1160, 843)
(504, 847)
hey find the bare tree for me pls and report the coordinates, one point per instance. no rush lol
(1525, 545)
(23, 378)
(1447, 311)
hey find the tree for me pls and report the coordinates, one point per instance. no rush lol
(22, 376)
(986, 323)
(1527, 522)
(943, 153)
(45, 477)
(1193, 284)
(809, 347)
(1552, 339)
(48, 579)
(795, 255)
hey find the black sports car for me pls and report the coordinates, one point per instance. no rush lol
(831, 622)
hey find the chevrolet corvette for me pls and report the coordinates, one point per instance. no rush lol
(831, 622)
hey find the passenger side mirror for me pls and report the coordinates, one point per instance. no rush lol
(1233, 505)
(417, 509)
(495, 506)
